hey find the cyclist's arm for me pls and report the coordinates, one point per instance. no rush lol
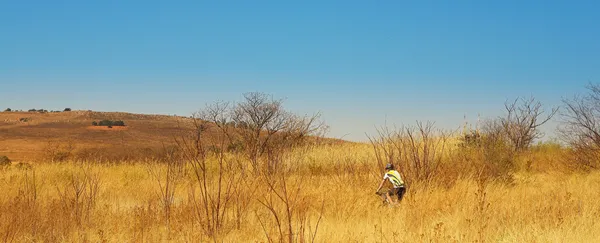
(380, 185)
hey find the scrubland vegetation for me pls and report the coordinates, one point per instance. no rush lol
(254, 172)
(108, 123)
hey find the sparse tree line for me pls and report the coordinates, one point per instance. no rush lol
(492, 152)
(37, 110)
(260, 129)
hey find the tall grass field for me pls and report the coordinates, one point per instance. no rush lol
(323, 193)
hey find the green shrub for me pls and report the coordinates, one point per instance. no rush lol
(110, 123)
(67, 109)
(105, 123)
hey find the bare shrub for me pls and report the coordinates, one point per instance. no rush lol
(288, 208)
(522, 121)
(490, 152)
(494, 156)
(168, 178)
(581, 127)
(416, 151)
(214, 184)
(260, 126)
(22, 216)
(228, 138)
(59, 151)
(79, 195)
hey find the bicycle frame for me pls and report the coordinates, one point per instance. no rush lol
(384, 198)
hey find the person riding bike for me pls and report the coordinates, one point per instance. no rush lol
(394, 178)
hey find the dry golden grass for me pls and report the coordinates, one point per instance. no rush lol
(336, 183)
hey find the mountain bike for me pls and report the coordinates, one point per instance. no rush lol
(384, 199)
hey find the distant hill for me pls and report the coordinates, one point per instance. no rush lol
(25, 135)
(30, 135)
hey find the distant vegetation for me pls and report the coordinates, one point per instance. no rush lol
(37, 110)
(109, 123)
(4, 160)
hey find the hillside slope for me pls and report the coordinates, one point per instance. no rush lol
(27, 135)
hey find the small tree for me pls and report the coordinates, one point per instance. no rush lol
(67, 109)
(416, 150)
(522, 120)
(262, 132)
(8, 110)
(262, 126)
(580, 126)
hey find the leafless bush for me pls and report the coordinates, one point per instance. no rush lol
(214, 179)
(415, 150)
(495, 153)
(489, 153)
(22, 215)
(59, 151)
(255, 133)
(79, 195)
(486, 154)
(522, 121)
(581, 126)
(168, 178)
(260, 126)
(287, 207)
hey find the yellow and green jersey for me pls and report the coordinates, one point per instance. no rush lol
(394, 177)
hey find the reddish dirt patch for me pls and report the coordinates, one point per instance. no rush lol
(105, 128)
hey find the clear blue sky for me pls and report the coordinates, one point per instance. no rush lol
(360, 64)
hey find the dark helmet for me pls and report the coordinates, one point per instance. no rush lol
(389, 166)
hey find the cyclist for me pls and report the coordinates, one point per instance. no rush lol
(394, 178)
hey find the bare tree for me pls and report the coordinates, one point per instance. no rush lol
(264, 131)
(522, 121)
(416, 150)
(288, 207)
(581, 125)
(214, 179)
(261, 126)
(168, 179)
(496, 154)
